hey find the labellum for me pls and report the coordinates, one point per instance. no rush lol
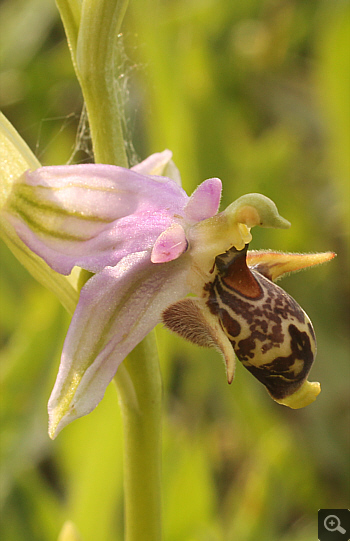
(270, 333)
(245, 312)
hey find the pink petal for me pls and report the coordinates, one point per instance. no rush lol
(130, 234)
(169, 245)
(117, 308)
(161, 164)
(91, 215)
(205, 200)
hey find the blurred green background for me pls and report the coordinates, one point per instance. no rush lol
(256, 93)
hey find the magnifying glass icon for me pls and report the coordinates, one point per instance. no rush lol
(332, 524)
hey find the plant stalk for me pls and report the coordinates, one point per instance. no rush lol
(139, 387)
(92, 29)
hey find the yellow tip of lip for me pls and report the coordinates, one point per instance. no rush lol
(304, 396)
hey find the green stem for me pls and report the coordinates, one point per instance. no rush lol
(139, 387)
(92, 30)
(96, 60)
(70, 12)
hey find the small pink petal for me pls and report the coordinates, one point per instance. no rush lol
(205, 200)
(169, 245)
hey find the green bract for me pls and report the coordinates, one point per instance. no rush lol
(16, 158)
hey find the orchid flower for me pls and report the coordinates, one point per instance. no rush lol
(150, 245)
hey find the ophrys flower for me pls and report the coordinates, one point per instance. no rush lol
(149, 245)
